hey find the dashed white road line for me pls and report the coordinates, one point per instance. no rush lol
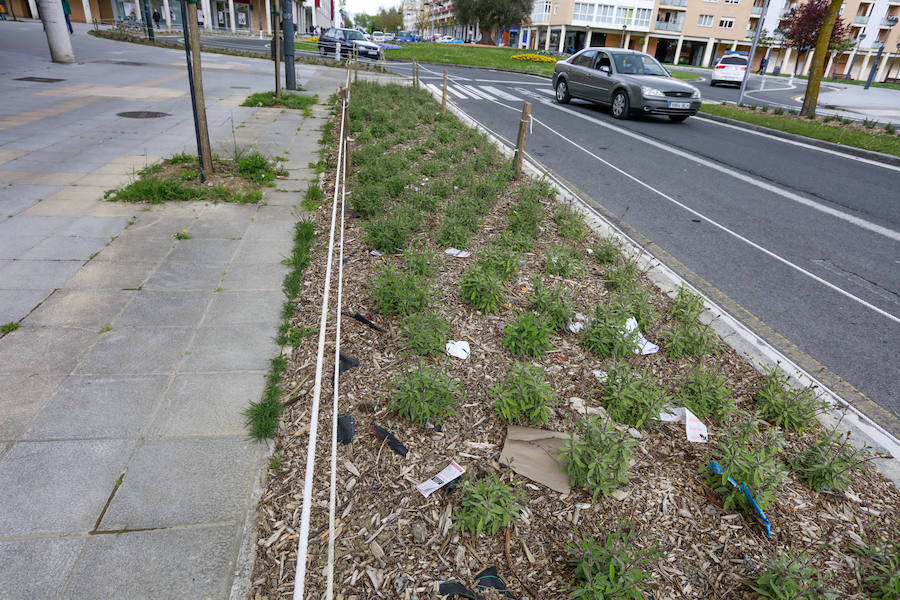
(500, 93)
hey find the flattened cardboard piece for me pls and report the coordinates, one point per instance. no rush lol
(532, 453)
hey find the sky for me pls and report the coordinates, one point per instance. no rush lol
(369, 7)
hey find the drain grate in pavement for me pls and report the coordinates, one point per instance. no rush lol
(240, 87)
(39, 79)
(142, 114)
(127, 63)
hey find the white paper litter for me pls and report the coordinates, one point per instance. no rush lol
(600, 375)
(694, 428)
(459, 349)
(450, 472)
(576, 324)
(644, 347)
(579, 406)
(457, 253)
(376, 253)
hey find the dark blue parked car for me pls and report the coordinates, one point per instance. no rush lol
(407, 36)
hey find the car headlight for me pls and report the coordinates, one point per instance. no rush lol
(696, 94)
(651, 91)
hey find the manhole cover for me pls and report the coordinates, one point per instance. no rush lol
(39, 79)
(240, 87)
(142, 114)
(127, 63)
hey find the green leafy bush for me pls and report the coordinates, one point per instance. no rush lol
(552, 303)
(523, 395)
(427, 333)
(631, 396)
(621, 277)
(482, 289)
(519, 242)
(424, 395)
(687, 306)
(788, 576)
(705, 394)
(880, 568)
(488, 505)
(611, 568)
(502, 261)
(564, 261)
(399, 292)
(256, 168)
(570, 223)
(526, 217)
(419, 263)
(597, 459)
(793, 409)
(829, 461)
(688, 339)
(390, 232)
(605, 334)
(607, 251)
(527, 335)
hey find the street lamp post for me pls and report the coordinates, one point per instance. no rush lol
(624, 27)
(752, 53)
(891, 21)
(859, 42)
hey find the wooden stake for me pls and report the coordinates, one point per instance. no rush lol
(444, 93)
(523, 136)
(197, 72)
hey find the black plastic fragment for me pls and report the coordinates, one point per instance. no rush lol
(489, 579)
(346, 363)
(382, 433)
(454, 589)
(362, 319)
(345, 429)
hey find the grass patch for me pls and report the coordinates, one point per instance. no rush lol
(313, 198)
(683, 74)
(287, 100)
(467, 54)
(8, 327)
(877, 142)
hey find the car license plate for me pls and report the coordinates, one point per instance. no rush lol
(679, 104)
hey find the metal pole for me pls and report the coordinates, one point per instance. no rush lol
(54, 21)
(149, 20)
(277, 42)
(290, 77)
(187, 25)
(874, 66)
(752, 54)
(444, 93)
(523, 136)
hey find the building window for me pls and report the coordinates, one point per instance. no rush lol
(604, 13)
(624, 15)
(726, 23)
(705, 21)
(732, 1)
(710, 0)
(583, 12)
(642, 17)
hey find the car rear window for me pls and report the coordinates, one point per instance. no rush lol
(733, 60)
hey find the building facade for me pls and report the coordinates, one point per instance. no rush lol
(697, 32)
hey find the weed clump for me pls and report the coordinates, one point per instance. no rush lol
(488, 505)
(597, 459)
(564, 261)
(523, 395)
(570, 223)
(482, 289)
(399, 292)
(795, 577)
(424, 395)
(607, 251)
(793, 409)
(606, 336)
(502, 261)
(527, 335)
(622, 277)
(880, 567)
(611, 568)
(688, 339)
(427, 333)
(829, 461)
(630, 396)
(687, 306)
(705, 394)
(552, 303)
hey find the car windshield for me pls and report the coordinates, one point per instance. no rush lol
(354, 35)
(733, 60)
(638, 64)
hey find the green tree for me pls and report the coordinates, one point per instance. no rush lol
(489, 15)
(390, 19)
(367, 22)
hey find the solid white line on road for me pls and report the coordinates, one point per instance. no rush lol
(730, 171)
(456, 92)
(434, 89)
(547, 91)
(475, 92)
(500, 93)
(511, 82)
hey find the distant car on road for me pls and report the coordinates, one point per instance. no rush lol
(348, 40)
(449, 39)
(408, 36)
(378, 36)
(730, 68)
(627, 81)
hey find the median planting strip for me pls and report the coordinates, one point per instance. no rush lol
(675, 518)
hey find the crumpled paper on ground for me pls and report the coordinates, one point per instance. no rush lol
(644, 347)
(457, 253)
(694, 428)
(459, 349)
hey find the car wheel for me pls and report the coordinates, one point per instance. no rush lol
(712, 83)
(562, 92)
(678, 118)
(620, 108)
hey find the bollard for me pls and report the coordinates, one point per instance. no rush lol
(523, 136)
(444, 93)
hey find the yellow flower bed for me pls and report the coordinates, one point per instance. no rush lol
(312, 39)
(534, 58)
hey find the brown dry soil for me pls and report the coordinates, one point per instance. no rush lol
(393, 543)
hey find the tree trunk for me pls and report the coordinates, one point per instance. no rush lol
(487, 35)
(811, 98)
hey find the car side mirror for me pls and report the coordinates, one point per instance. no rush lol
(605, 69)
(668, 72)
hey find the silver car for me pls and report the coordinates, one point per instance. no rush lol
(625, 80)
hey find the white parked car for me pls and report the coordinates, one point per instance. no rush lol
(730, 68)
(378, 37)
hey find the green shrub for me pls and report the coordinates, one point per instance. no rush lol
(605, 334)
(488, 505)
(890, 128)
(526, 217)
(829, 461)
(427, 333)
(787, 576)
(523, 395)
(597, 459)
(390, 232)
(424, 395)
(503, 262)
(635, 302)
(564, 261)
(570, 223)
(793, 409)
(778, 111)
(527, 335)
(869, 124)
(621, 277)
(419, 263)
(880, 568)
(607, 251)
(705, 394)
(482, 289)
(256, 168)
(519, 242)
(399, 293)
(688, 339)
(552, 303)
(612, 568)
(630, 396)
(687, 306)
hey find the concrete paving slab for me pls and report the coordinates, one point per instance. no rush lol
(92, 227)
(28, 225)
(91, 309)
(56, 487)
(37, 274)
(165, 308)
(137, 351)
(16, 198)
(111, 275)
(37, 568)
(43, 350)
(211, 483)
(239, 308)
(271, 231)
(13, 246)
(97, 407)
(16, 304)
(218, 229)
(176, 275)
(65, 247)
(255, 277)
(244, 348)
(208, 404)
(277, 213)
(206, 251)
(22, 399)
(267, 252)
(163, 565)
(133, 248)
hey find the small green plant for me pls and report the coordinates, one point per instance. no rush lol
(688, 339)
(570, 223)
(189, 175)
(564, 261)
(764, 108)
(106, 329)
(778, 111)
(262, 417)
(488, 505)
(424, 395)
(606, 336)
(482, 289)
(390, 232)
(504, 262)
(399, 292)
(868, 124)
(296, 335)
(154, 190)
(519, 242)
(552, 303)
(611, 568)
(704, 393)
(830, 118)
(880, 567)
(631, 396)
(8, 327)
(687, 306)
(289, 100)
(182, 235)
(419, 263)
(890, 128)
(527, 335)
(846, 121)
(621, 277)
(793, 409)
(523, 395)
(597, 458)
(313, 197)
(181, 158)
(794, 112)
(828, 462)
(607, 251)
(788, 576)
(427, 333)
(811, 116)
(526, 217)
(635, 302)
(275, 463)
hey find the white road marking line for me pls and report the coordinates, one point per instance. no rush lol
(475, 92)
(547, 91)
(499, 93)
(864, 224)
(433, 88)
(511, 82)
(456, 92)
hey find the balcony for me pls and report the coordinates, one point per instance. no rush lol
(888, 22)
(669, 26)
(756, 11)
(673, 3)
(785, 13)
(860, 20)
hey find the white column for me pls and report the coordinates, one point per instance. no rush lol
(677, 49)
(646, 43)
(808, 63)
(112, 4)
(268, 18)
(587, 38)
(208, 16)
(57, 31)
(137, 11)
(885, 59)
(707, 54)
(562, 38)
(547, 40)
(34, 11)
(231, 14)
(167, 14)
(627, 40)
(86, 4)
(785, 68)
(864, 67)
(734, 45)
(829, 65)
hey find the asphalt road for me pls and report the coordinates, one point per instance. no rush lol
(801, 244)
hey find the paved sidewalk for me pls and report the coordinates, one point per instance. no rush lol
(125, 469)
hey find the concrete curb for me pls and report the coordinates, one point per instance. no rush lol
(858, 152)
(738, 336)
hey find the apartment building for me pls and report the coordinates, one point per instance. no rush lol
(697, 32)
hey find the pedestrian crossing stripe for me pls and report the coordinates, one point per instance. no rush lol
(462, 91)
(499, 93)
